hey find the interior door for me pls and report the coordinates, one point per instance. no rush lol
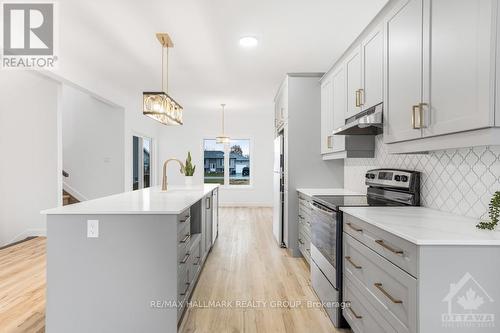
(460, 65)
(373, 69)
(278, 190)
(404, 71)
(353, 82)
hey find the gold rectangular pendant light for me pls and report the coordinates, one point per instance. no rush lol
(159, 105)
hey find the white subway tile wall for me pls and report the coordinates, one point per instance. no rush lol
(460, 181)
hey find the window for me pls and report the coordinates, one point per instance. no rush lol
(227, 164)
(141, 168)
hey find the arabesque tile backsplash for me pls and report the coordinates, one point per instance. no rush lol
(460, 181)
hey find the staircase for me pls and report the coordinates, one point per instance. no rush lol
(68, 199)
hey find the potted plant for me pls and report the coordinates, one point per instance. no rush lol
(189, 169)
(494, 213)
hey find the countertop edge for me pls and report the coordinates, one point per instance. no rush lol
(420, 242)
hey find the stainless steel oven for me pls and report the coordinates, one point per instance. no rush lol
(324, 237)
(386, 187)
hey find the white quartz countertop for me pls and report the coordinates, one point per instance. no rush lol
(147, 201)
(327, 191)
(425, 226)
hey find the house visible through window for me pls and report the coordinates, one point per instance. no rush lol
(227, 164)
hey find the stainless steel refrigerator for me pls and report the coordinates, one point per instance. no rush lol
(279, 188)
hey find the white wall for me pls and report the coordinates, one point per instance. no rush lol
(199, 125)
(93, 151)
(29, 167)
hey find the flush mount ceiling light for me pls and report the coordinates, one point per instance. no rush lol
(159, 105)
(222, 138)
(248, 41)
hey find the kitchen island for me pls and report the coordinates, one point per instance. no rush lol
(127, 262)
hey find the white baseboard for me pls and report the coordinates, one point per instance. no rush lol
(77, 195)
(28, 233)
(245, 204)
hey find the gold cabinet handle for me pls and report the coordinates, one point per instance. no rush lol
(414, 110)
(186, 257)
(357, 99)
(379, 286)
(185, 239)
(329, 141)
(353, 227)
(187, 288)
(361, 97)
(353, 313)
(417, 116)
(348, 258)
(390, 248)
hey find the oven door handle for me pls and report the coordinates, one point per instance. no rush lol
(321, 209)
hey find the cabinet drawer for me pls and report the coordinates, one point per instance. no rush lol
(305, 246)
(392, 291)
(305, 229)
(360, 314)
(183, 234)
(397, 250)
(325, 291)
(185, 215)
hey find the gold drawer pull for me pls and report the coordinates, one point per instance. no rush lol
(361, 97)
(353, 227)
(185, 239)
(352, 262)
(187, 288)
(378, 285)
(384, 245)
(354, 313)
(186, 257)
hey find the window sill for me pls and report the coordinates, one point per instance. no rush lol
(237, 187)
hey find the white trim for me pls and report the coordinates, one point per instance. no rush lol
(245, 204)
(27, 233)
(73, 192)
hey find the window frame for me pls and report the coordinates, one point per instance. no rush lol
(227, 149)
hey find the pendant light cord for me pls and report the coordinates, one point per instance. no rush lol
(163, 80)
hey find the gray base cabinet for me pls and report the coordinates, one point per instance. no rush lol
(304, 221)
(392, 285)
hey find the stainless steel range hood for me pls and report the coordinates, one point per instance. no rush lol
(368, 122)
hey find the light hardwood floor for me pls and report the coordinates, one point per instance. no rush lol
(245, 265)
(22, 287)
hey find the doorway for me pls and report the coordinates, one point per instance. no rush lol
(142, 162)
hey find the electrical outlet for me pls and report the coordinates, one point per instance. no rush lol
(92, 228)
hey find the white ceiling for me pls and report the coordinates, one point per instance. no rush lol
(115, 40)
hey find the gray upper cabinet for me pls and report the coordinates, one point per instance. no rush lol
(353, 82)
(459, 87)
(372, 49)
(403, 94)
(327, 115)
(339, 107)
(440, 75)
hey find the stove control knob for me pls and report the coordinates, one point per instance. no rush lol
(397, 178)
(367, 176)
(372, 175)
(404, 178)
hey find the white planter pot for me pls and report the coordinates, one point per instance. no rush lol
(188, 180)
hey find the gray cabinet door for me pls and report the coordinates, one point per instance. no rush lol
(460, 79)
(208, 223)
(353, 82)
(215, 215)
(404, 71)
